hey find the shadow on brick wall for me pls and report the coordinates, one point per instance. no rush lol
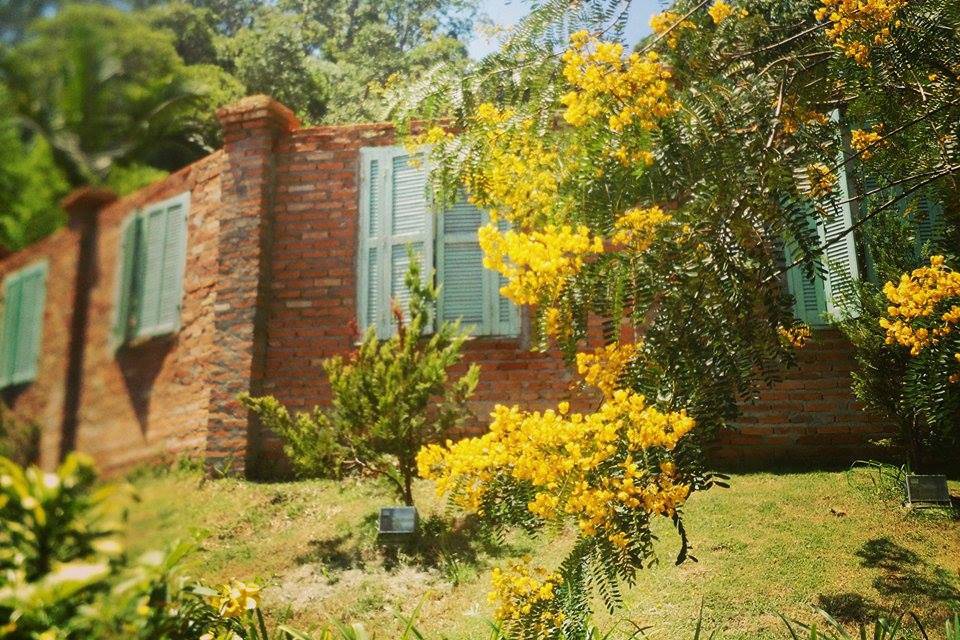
(140, 364)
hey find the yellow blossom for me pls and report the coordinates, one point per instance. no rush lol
(720, 11)
(537, 264)
(914, 320)
(866, 142)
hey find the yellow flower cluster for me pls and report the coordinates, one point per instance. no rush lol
(637, 227)
(795, 336)
(524, 599)
(560, 454)
(236, 598)
(661, 23)
(916, 298)
(792, 116)
(853, 21)
(821, 180)
(865, 142)
(720, 11)
(537, 264)
(620, 91)
(520, 173)
(602, 368)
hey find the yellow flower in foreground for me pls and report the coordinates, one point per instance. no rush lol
(537, 264)
(236, 598)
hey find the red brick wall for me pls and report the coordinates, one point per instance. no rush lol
(43, 400)
(145, 400)
(270, 291)
(810, 416)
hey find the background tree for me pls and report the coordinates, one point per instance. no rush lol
(103, 90)
(119, 93)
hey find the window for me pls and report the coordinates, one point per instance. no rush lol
(830, 292)
(395, 213)
(152, 254)
(24, 294)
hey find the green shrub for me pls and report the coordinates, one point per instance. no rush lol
(913, 391)
(390, 398)
(19, 439)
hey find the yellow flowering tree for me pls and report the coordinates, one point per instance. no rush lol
(646, 195)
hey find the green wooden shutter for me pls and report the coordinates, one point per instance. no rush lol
(840, 253)
(12, 289)
(411, 224)
(172, 267)
(30, 324)
(464, 294)
(370, 285)
(124, 315)
(159, 266)
(152, 237)
(929, 221)
(507, 314)
(809, 304)
(24, 300)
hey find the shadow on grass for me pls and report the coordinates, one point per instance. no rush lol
(906, 576)
(452, 546)
(849, 608)
(906, 579)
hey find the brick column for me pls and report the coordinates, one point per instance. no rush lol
(252, 129)
(83, 206)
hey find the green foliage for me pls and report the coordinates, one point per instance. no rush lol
(48, 519)
(389, 398)
(913, 392)
(274, 56)
(19, 439)
(58, 545)
(31, 185)
(102, 89)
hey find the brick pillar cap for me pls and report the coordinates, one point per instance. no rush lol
(258, 107)
(85, 201)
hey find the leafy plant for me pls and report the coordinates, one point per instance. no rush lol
(390, 398)
(19, 439)
(915, 391)
(48, 519)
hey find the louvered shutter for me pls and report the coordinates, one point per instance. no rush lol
(410, 223)
(370, 281)
(809, 303)
(394, 214)
(159, 266)
(172, 266)
(126, 288)
(840, 252)
(30, 323)
(840, 248)
(507, 314)
(465, 288)
(929, 221)
(150, 271)
(12, 289)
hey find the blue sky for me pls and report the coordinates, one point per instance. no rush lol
(506, 13)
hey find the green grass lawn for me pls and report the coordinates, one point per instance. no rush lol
(771, 543)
